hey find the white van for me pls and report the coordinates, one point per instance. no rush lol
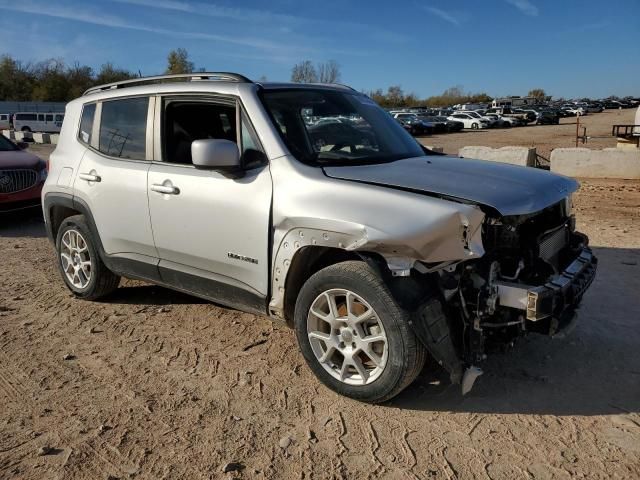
(38, 122)
(5, 121)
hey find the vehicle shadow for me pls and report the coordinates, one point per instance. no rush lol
(22, 223)
(151, 295)
(595, 370)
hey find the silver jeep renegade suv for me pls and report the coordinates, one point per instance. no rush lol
(310, 204)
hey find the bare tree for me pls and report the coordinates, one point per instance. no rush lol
(329, 72)
(304, 72)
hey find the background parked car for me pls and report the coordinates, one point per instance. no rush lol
(468, 121)
(547, 117)
(490, 121)
(439, 124)
(22, 175)
(452, 125)
(420, 127)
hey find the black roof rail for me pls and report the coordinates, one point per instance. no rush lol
(213, 76)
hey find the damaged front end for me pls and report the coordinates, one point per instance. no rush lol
(532, 277)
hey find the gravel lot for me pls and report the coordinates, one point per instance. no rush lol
(155, 384)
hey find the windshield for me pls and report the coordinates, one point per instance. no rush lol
(332, 127)
(6, 145)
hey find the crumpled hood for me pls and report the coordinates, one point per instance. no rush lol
(19, 159)
(509, 189)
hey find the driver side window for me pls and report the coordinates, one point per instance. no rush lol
(187, 120)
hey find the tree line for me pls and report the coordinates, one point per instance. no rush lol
(54, 81)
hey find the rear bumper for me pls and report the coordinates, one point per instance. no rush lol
(559, 297)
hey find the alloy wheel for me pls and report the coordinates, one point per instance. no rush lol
(75, 258)
(347, 337)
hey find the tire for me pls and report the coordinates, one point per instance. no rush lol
(474, 126)
(99, 281)
(26, 129)
(400, 357)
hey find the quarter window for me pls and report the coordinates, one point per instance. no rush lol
(123, 128)
(252, 155)
(86, 123)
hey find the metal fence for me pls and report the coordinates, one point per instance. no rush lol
(44, 107)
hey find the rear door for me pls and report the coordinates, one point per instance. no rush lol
(212, 231)
(112, 176)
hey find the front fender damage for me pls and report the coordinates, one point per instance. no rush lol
(442, 242)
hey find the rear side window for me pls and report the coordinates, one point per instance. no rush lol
(123, 128)
(86, 123)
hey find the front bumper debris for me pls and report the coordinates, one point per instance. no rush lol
(555, 298)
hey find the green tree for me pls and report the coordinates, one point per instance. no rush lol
(16, 80)
(109, 73)
(80, 78)
(178, 62)
(537, 93)
(51, 82)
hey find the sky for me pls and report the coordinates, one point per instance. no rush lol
(570, 48)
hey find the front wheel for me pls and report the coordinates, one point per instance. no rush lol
(353, 334)
(80, 265)
(474, 126)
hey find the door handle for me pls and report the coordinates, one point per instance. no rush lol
(167, 189)
(89, 177)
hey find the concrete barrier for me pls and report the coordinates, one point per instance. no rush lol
(22, 136)
(41, 138)
(523, 156)
(435, 149)
(605, 163)
(9, 134)
(53, 138)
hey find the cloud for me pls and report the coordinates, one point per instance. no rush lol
(100, 18)
(284, 22)
(213, 10)
(525, 6)
(447, 17)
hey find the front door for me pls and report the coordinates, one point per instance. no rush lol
(211, 230)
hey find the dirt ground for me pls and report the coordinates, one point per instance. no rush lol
(158, 385)
(543, 137)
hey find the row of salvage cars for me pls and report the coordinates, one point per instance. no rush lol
(428, 122)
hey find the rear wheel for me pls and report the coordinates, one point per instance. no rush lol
(474, 126)
(80, 265)
(26, 129)
(353, 334)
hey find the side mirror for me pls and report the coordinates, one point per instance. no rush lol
(215, 154)
(22, 145)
